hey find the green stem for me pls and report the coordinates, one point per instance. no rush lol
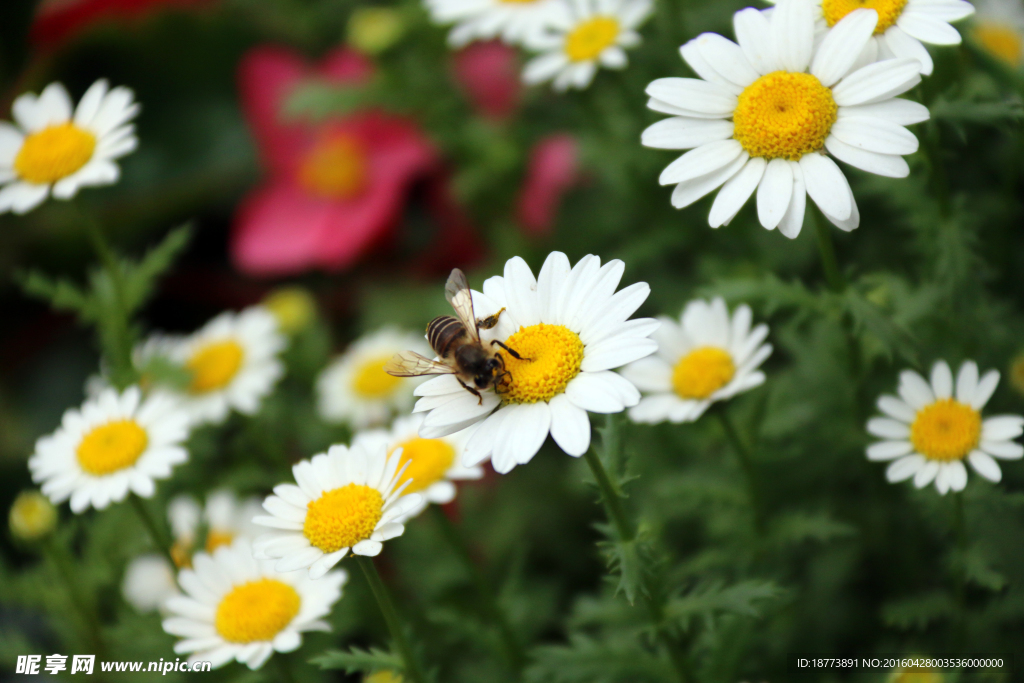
(626, 531)
(485, 595)
(960, 585)
(284, 671)
(412, 671)
(744, 456)
(158, 538)
(91, 632)
(116, 338)
(827, 249)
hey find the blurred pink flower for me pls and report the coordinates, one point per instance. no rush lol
(552, 170)
(57, 20)
(489, 74)
(334, 189)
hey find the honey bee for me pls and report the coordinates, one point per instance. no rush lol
(456, 341)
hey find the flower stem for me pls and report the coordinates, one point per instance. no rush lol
(91, 632)
(115, 333)
(827, 249)
(744, 456)
(626, 531)
(485, 595)
(155, 534)
(960, 579)
(412, 671)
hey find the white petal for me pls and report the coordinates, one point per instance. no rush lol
(896, 110)
(793, 220)
(695, 94)
(367, 548)
(984, 465)
(1007, 450)
(1002, 427)
(592, 392)
(543, 67)
(887, 428)
(689, 191)
(703, 160)
(904, 468)
(842, 45)
(914, 390)
(896, 409)
(692, 54)
(774, 193)
(928, 29)
(887, 450)
(726, 57)
(906, 46)
(754, 35)
(942, 380)
(874, 135)
(887, 165)
(793, 33)
(967, 381)
(684, 133)
(826, 185)
(986, 387)
(877, 82)
(735, 193)
(521, 291)
(570, 426)
(957, 475)
(926, 474)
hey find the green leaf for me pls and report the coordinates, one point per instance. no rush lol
(626, 559)
(586, 660)
(355, 660)
(713, 599)
(867, 317)
(918, 612)
(798, 527)
(140, 277)
(61, 294)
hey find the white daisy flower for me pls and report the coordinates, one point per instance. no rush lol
(433, 464)
(346, 499)
(112, 444)
(999, 28)
(355, 389)
(931, 428)
(149, 579)
(703, 358)
(593, 33)
(904, 26)
(238, 608)
(572, 329)
(55, 148)
(763, 113)
(234, 364)
(514, 21)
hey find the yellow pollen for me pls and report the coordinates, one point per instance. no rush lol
(256, 611)
(590, 38)
(336, 168)
(181, 553)
(214, 366)
(702, 372)
(784, 115)
(370, 380)
(552, 355)
(888, 11)
(1001, 41)
(53, 153)
(428, 460)
(342, 517)
(112, 447)
(215, 538)
(946, 430)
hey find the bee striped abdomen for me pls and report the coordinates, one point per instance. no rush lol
(442, 332)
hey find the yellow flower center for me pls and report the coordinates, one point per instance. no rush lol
(784, 115)
(1002, 41)
(370, 380)
(946, 430)
(590, 38)
(387, 676)
(702, 372)
(336, 168)
(53, 153)
(552, 355)
(294, 308)
(256, 611)
(181, 553)
(112, 447)
(32, 516)
(888, 11)
(428, 460)
(342, 517)
(215, 538)
(374, 29)
(214, 366)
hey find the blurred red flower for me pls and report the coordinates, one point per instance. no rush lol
(552, 170)
(57, 20)
(335, 189)
(489, 74)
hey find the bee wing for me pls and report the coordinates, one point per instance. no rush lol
(412, 364)
(458, 295)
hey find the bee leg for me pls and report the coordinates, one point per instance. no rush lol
(514, 354)
(501, 387)
(479, 398)
(490, 321)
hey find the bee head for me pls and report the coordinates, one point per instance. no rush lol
(491, 368)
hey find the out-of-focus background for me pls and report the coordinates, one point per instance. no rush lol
(494, 169)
